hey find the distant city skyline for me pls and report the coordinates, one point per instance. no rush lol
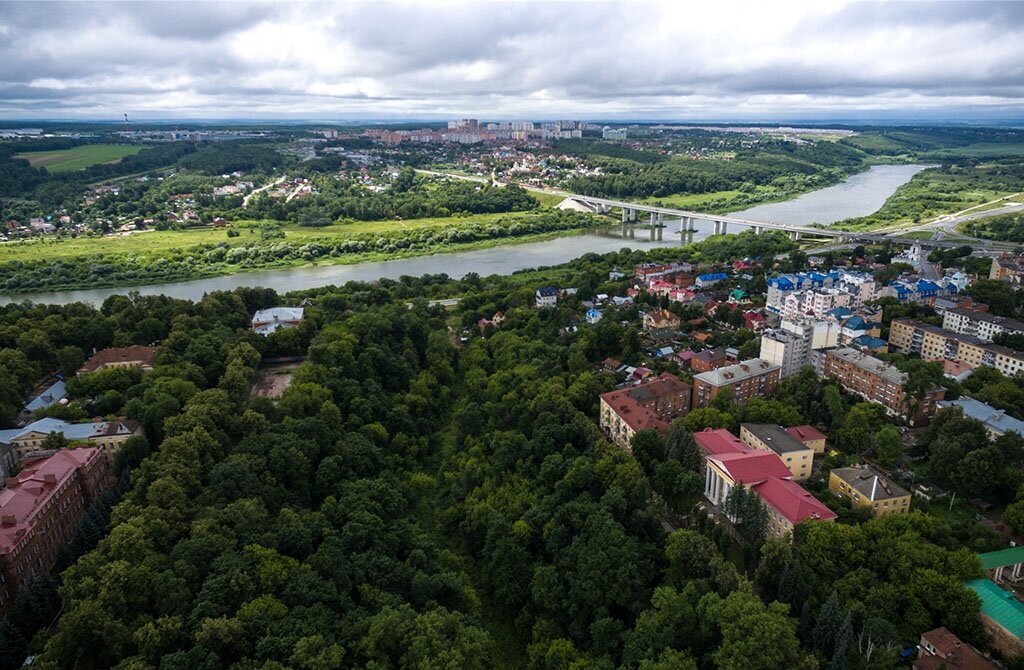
(636, 61)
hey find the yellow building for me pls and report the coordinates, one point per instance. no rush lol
(865, 486)
(108, 435)
(798, 457)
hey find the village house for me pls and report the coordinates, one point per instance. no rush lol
(940, 649)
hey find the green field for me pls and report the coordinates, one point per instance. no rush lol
(692, 200)
(157, 241)
(78, 158)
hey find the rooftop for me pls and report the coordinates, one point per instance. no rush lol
(806, 433)
(277, 314)
(752, 468)
(1003, 557)
(52, 395)
(1005, 322)
(629, 403)
(870, 364)
(792, 501)
(871, 483)
(721, 441)
(999, 605)
(994, 419)
(71, 431)
(732, 374)
(133, 355)
(774, 437)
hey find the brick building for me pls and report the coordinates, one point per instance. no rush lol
(122, 357)
(648, 406)
(747, 379)
(877, 381)
(40, 509)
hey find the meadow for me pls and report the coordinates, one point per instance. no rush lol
(78, 158)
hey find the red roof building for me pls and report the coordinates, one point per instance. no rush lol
(789, 504)
(714, 442)
(650, 405)
(810, 436)
(40, 509)
(133, 356)
(753, 320)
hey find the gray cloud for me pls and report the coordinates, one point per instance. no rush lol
(490, 59)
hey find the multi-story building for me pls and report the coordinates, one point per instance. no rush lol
(729, 462)
(810, 436)
(982, 325)
(709, 359)
(787, 350)
(877, 381)
(650, 405)
(122, 357)
(814, 302)
(39, 511)
(865, 486)
(781, 286)
(747, 379)
(1008, 268)
(996, 421)
(908, 336)
(108, 435)
(796, 455)
(547, 296)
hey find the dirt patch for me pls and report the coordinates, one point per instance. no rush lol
(273, 380)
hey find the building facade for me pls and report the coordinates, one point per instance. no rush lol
(981, 325)
(877, 381)
(797, 456)
(865, 486)
(108, 435)
(908, 336)
(39, 511)
(651, 405)
(754, 378)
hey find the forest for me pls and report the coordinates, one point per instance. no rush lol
(411, 504)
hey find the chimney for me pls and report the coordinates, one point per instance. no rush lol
(50, 478)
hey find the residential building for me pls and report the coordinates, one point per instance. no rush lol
(51, 395)
(1008, 268)
(710, 279)
(650, 405)
(787, 350)
(940, 649)
(118, 357)
(877, 381)
(982, 325)
(39, 511)
(866, 486)
(709, 359)
(613, 133)
(108, 435)
(781, 286)
(547, 296)
(661, 318)
(593, 316)
(796, 455)
(814, 302)
(809, 435)
(996, 420)
(747, 379)
(908, 336)
(267, 321)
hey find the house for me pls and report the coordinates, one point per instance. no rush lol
(267, 321)
(51, 395)
(737, 295)
(611, 364)
(661, 318)
(593, 316)
(810, 436)
(40, 509)
(797, 456)
(940, 649)
(747, 379)
(753, 320)
(866, 486)
(710, 279)
(121, 357)
(547, 296)
(681, 358)
(109, 435)
(650, 405)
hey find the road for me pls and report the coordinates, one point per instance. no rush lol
(245, 200)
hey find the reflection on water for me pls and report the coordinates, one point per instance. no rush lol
(857, 196)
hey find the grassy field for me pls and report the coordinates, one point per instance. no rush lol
(78, 158)
(156, 241)
(980, 150)
(692, 200)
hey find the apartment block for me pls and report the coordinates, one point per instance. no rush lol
(982, 325)
(877, 381)
(1008, 268)
(39, 511)
(908, 336)
(747, 379)
(651, 405)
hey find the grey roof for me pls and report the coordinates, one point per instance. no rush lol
(774, 437)
(71, 431)
(54, 394)
(889, 373)
(732, 374)
(871, 483)
(1003, 321)
(995, 419)
(278, 314)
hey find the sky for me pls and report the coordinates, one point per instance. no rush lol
(698, 61)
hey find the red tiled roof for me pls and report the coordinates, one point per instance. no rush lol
(792, 501)
(721, 441)
(136, 354)
(806, 433)
(626, 402)
(751, 469)
(34, 485)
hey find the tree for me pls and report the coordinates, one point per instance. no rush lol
(888, 446)
(681, 447)
(753, 636)
(648, 447)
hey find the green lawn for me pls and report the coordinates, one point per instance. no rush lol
(143, 243)
(78, 158)
(981, 150)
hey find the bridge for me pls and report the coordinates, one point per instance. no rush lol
(686, 220)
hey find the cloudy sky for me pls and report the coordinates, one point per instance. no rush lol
(707, 60)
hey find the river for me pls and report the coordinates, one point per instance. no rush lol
(859, 195)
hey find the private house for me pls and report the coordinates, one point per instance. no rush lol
(593, 316)
(809, 435)
(108, 435)
(753, 320)
(547, 296)
(51, 395)
(865, 486)
(710, 279)
(747, 379)
(121, 357)
(940, 649)
(660, 319)
(39, 511)
(797, 456)
(267, 321)
(650, 405)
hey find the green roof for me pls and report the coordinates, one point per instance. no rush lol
(997, 559)
(999, 605)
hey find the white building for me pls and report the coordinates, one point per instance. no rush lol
(547, 296)
(981, 325)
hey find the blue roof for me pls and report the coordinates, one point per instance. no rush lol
(712, 276)
(51, 396)
(869, 342)
(593, 312)
(72, 431)
(840, 311)
(855, 323)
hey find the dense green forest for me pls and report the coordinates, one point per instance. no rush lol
(409, 504)
(1005, 228)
